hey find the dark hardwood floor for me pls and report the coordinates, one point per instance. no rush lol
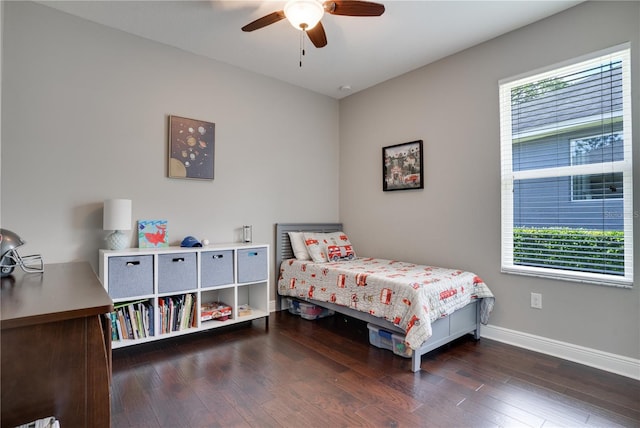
(324, 373)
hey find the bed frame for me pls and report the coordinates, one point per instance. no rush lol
(463, 321)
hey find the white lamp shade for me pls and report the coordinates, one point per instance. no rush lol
(303, 14)
(117, 214)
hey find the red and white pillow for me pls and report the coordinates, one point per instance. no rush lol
(322, 246)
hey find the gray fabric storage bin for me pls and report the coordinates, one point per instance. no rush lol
(216, 268)
(177, 272)
(130, 276)
(252, 264)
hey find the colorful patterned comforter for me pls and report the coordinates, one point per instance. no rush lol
(408, 295)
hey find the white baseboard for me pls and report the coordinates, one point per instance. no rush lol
(613, 363)
(272, 306)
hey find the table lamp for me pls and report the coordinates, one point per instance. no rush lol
(117, 217)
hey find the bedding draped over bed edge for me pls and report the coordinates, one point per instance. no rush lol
(411, 296)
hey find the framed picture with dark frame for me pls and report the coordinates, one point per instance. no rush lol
(402, 166)
(191, 148)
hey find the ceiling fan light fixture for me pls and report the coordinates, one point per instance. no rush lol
(303, 14)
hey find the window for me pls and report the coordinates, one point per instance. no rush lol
(566, 171)
(597, 148)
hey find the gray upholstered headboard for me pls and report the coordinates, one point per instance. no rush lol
(283, 245)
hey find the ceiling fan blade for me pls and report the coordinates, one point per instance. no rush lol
(317, 36)
(272, 18)
(353, 8)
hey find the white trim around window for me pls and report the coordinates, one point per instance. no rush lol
(545, 231)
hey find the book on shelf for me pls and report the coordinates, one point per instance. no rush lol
(185, 311)
(127, 322)
(176, 312)
(145, 320)
(171, 326)
(114, 326)
(194, 315)
(118, 323)
(162, 310)
(133, 320)
(151, 321)
(122, 327)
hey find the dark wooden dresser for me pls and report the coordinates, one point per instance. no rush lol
(55, 347)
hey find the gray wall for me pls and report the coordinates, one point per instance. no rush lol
(84, 118)
(455, 221)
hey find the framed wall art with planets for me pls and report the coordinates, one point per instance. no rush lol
(191, 148)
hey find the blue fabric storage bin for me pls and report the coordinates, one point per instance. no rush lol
(216, 268)
(252, 264)
(177, 272)
(130, 276)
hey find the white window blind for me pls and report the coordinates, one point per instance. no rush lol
(566, 170)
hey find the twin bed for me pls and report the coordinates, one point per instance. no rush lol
(430, 306)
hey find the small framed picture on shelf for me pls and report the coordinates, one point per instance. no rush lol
(402, 166)
(191, 148)
(152, 234)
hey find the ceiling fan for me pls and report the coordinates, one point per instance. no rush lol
(305, 15)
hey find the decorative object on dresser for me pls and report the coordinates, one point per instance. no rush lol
(190, 241)
(117, 217)
(153, 234)
(402, 166)
(56, 347)
(191, 148)
(10, 258)
(171, 291)
(247, 234)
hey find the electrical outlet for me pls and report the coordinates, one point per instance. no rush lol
(536, 300)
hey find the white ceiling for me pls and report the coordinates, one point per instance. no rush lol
(361, 51)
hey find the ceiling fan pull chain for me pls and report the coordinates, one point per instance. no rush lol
(301, 46)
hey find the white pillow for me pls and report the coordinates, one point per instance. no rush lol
(298, 246)
(317, 244)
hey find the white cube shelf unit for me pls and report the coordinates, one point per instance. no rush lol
(171, 291)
